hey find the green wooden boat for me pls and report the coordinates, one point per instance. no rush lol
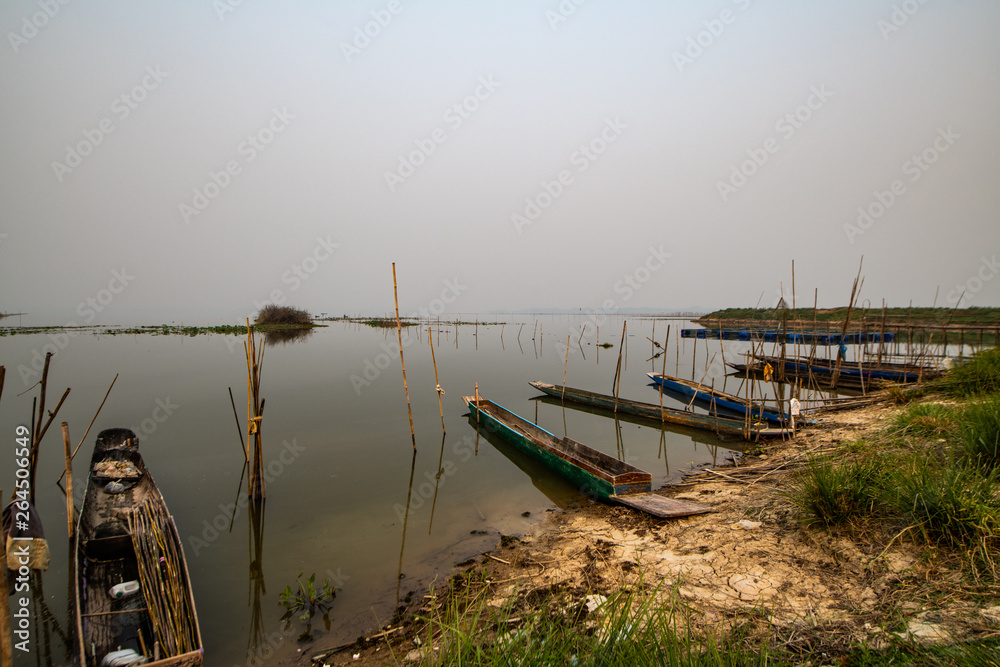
(594, 473)
(720, 425)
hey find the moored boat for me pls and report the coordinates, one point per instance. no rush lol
(724, 426)
(714, 400)
(134, 603)
(594, 473)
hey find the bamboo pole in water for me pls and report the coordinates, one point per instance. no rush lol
(565, 369)
(69, 480)
(618, 369)
(399, 331)
(79, 444)
(847, 322)
(437, 381)
(664, 372)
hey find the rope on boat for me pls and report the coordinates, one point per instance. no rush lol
(162, 579)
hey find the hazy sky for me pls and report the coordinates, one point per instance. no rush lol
(506, 155)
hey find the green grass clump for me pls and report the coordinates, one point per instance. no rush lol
(273, 314)
(928, 420)
(979, 375)
(980, 433)
(950, 505)
(832, 493)
(626, 629)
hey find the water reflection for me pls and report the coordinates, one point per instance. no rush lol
(406, 519)
(257, 586)
(285, 336)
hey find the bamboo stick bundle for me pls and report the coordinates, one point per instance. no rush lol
(255, 412)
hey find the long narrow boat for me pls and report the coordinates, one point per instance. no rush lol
(594, 473)
(850, 374)
(724, 426)
(134, 603)
(714, 400)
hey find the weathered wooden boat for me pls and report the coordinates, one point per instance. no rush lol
(134, 603)
(720, 425)
(850, 373)
(594, 473)
(715, 400)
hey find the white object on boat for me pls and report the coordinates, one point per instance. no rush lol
(123, 658)
(124, 589)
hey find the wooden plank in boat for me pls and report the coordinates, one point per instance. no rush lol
(661, 506)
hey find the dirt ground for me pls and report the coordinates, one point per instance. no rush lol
(749, 558)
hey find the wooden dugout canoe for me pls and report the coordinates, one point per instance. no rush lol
(127, 535)
(713, 399)
(594, 473)
(725, 426)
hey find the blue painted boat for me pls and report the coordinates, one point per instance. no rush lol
(713, 399)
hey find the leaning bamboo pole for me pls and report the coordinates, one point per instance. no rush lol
(399, 331)
(437, 381)
(69, 480)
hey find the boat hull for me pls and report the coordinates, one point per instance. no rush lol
(716, 400)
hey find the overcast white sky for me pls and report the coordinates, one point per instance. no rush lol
(204, 150)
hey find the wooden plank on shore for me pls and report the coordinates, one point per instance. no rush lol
(661, 506)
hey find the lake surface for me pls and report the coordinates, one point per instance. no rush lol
(341, 475)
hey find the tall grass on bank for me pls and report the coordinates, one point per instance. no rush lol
(832, 493)
(628, 629)
(980, 433)
(979, 375)
(928, 420)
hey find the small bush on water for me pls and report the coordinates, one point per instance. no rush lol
(272, 313)
(980, 433)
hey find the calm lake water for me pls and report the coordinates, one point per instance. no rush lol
(338, 455)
